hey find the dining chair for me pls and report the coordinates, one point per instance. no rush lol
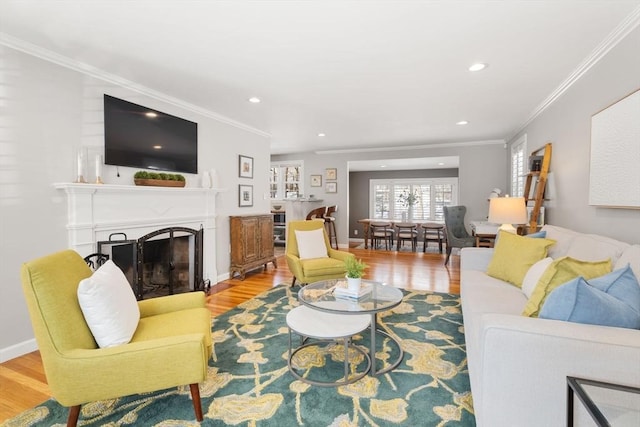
(381, 231)
(407, 231)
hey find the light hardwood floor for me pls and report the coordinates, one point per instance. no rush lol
(23, 384)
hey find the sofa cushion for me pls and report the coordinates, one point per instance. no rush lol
(590, 247)
(559, 272)
(611, 300)
(311, 244)
(514, 255)
(563, 237)
(109, 305)
(631, 257)
(534, 275)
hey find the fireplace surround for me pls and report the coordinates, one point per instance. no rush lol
(95, 211)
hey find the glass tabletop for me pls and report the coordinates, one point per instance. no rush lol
(320, 295)
(608, 404)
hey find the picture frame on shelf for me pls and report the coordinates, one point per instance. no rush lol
(316, 180)
(245, 166)
(245, 195)
(332, 174)
(331, 187)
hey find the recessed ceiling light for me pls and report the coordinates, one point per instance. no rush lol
(462, 123)
(151, 114)
(322, 134)
(383, 166)
(477, 67)
(157, 147)
(254, 100)
(440, 164)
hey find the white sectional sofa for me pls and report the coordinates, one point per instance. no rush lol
(518, 365)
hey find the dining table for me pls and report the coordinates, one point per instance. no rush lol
(366, 225)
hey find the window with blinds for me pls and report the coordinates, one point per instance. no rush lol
(388, 198)
(518, 166)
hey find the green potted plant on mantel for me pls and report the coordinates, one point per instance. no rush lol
(355, 270)
(159, 179)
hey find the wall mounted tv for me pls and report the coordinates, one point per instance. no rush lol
(142, 137)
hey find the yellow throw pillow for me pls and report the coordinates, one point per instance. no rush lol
(514, 255)
(560, 272)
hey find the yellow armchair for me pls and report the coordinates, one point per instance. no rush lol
(314, 269)
(170, 347)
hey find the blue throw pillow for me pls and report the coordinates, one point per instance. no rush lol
(538, 235)
(577, 301)
(621, 284)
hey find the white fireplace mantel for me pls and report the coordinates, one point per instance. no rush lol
(95, 211)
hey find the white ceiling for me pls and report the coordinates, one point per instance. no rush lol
(366, 73)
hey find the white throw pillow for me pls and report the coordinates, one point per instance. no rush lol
(109, 305)
(534, 274)
(631, 256)
(311, 244)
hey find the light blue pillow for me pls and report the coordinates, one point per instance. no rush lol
(577, 301)
(621, 284)
(538, 235)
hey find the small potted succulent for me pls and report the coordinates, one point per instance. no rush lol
(355, 270)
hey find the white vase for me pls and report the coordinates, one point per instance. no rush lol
(404, 217)
(215, 179)
(206, 180)
(354, 284)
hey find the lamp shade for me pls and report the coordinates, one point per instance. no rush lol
(507, 210)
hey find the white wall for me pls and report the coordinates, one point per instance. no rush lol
(567, 124)
(482, 168)
(49, 110)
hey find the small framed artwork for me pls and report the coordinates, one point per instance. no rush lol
(332, 174)
(316, 180)
(246, 166)
(245, 195)
(331, 187)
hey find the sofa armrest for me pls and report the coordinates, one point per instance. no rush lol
(524, 363)
(171, 303)
(475, 258)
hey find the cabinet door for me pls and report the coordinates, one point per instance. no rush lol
(266, 236)
(250, 243)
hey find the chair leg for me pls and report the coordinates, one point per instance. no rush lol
(293, 282)
(74, 413)
(195, 397)
(446, 261)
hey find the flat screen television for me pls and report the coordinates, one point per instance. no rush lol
(142, 137)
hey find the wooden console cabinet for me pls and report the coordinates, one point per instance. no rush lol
(251, 243)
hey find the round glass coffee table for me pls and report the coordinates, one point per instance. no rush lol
(320, 296)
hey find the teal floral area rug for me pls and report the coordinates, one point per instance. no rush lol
(249, 383)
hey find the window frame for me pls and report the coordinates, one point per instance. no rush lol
(281, 181)
(518, 166)
(431, 182)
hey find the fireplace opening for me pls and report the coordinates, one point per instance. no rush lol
(163, 262)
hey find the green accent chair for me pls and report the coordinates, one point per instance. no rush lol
(314, 269)
(170, 347)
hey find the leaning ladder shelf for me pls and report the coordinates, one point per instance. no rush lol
(538, 194)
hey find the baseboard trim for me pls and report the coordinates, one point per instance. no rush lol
(18, 350)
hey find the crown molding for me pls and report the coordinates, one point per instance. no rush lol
(629, 24)
(90, 70)
(413, 147)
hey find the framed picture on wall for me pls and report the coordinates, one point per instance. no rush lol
(245, 195)
(245, 166)
(332, 174)
(331, 187)
(316, 180)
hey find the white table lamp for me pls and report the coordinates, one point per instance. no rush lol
(507, 211)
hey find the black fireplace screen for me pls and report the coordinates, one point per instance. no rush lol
(163, 262)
